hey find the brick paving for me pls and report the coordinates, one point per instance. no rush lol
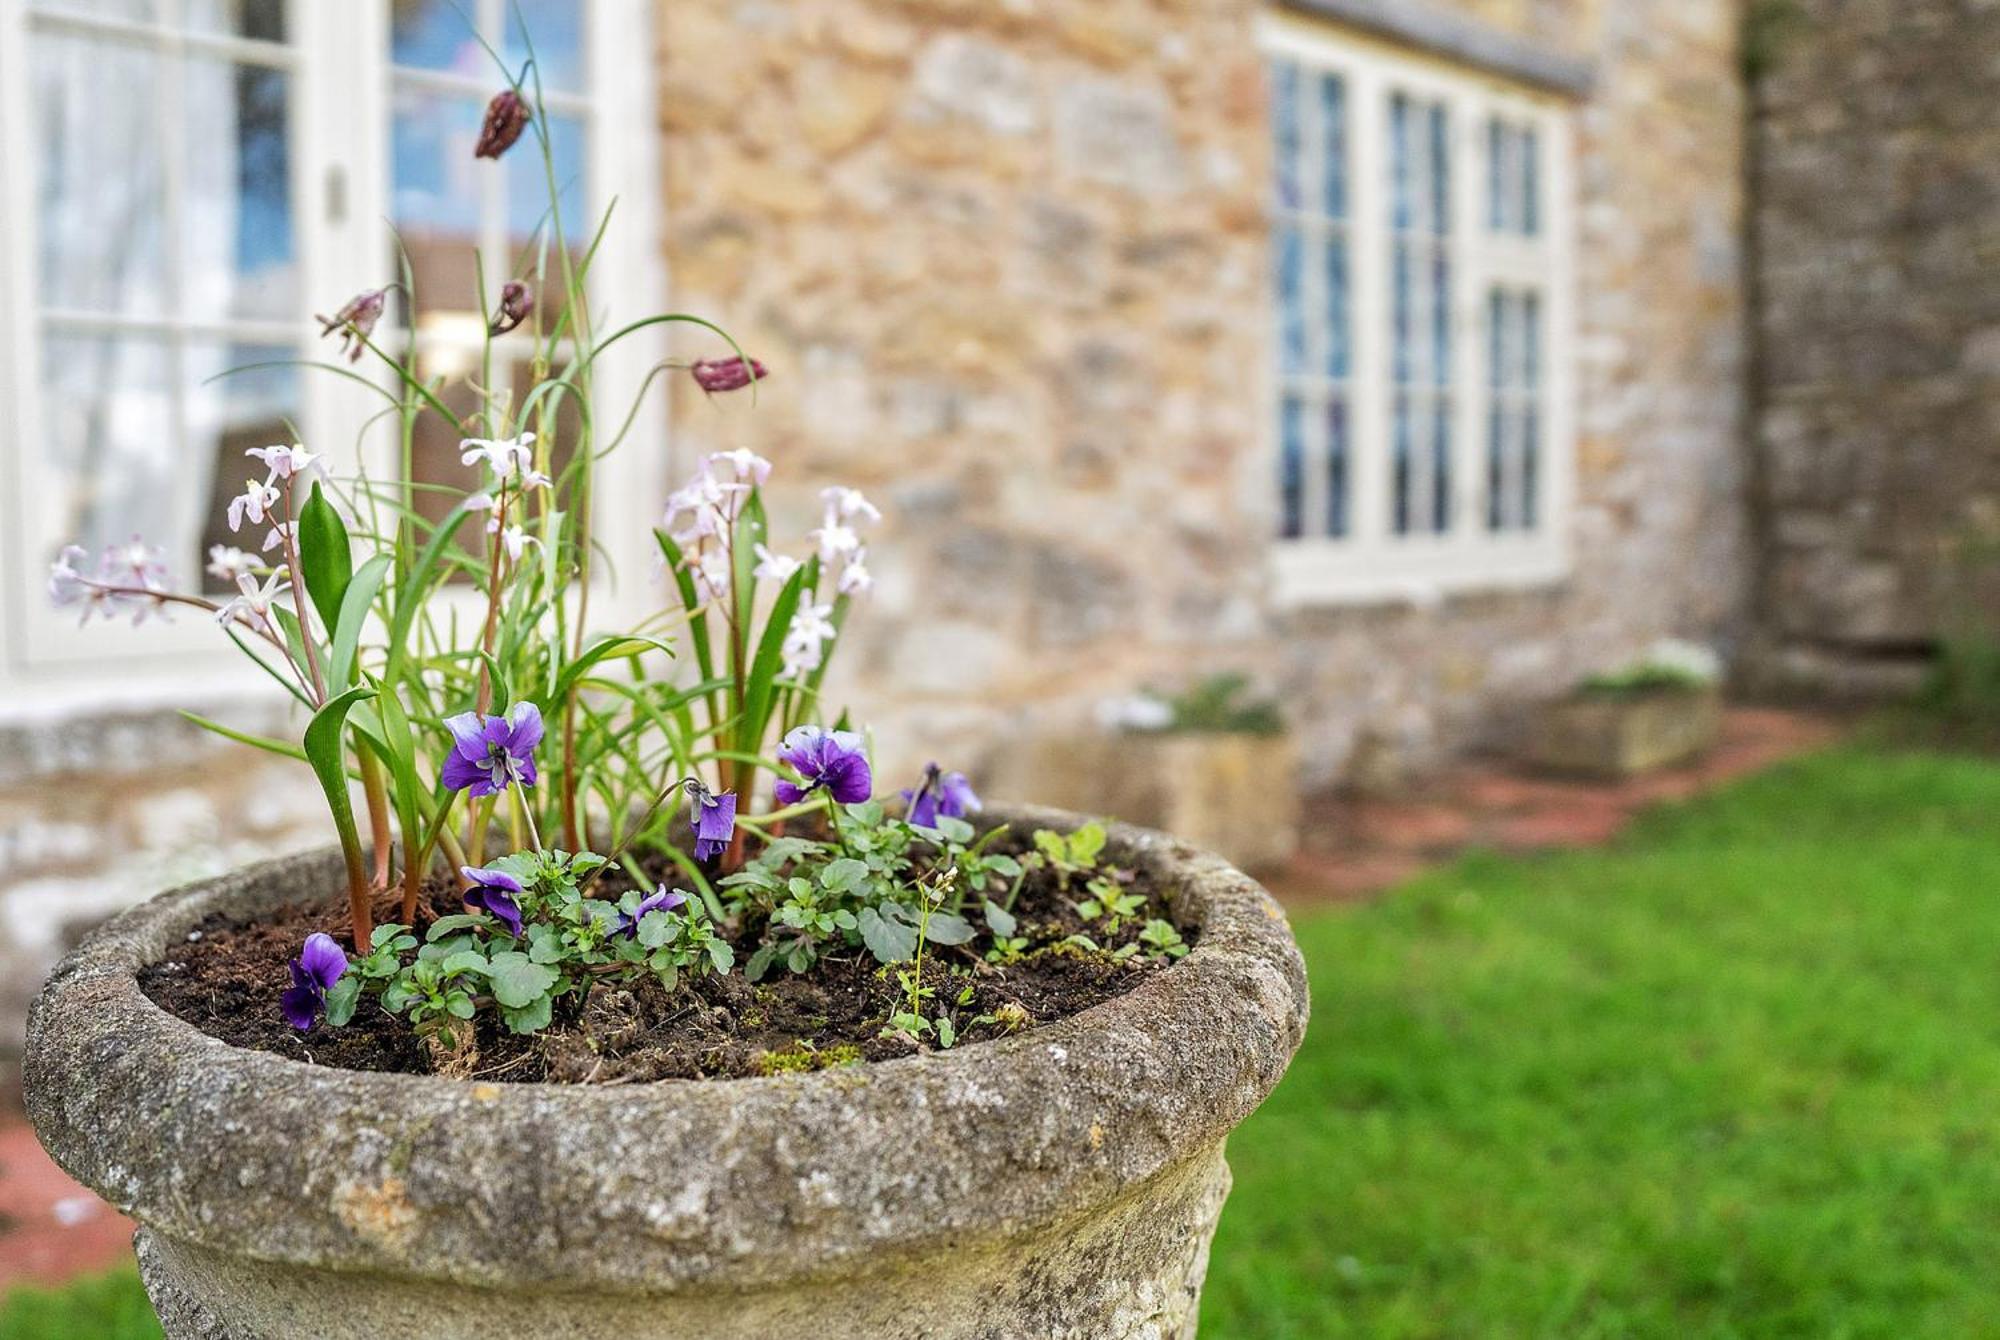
(52, 1230)
(1356, 847)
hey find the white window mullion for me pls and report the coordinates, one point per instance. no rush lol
(1372, 493)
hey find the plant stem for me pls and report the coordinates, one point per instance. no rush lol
(376, 792)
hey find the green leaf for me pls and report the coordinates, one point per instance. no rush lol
(385, 935)
(341, 998)
(464, 961)
(761, 681)
(999, 920)
(946, 1033)
(326, 555)
(359, 595)
(284, 747)
(324, 751)
(1086, 842)
(721, 955)
(957, 830)
(888, 939)
(603, 650)
(530, 1018)
(761, 960)
(947, 928)
(842, 875)
(656, 928)
(517, 979)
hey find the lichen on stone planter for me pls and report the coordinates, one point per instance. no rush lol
(1065, 1182)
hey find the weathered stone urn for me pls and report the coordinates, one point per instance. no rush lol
(1064, 1182)
(1624, 734)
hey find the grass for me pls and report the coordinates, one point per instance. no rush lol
(1734, 1076)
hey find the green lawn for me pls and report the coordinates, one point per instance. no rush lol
(1736, 1076)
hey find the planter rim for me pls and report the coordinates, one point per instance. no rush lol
(729, 1183)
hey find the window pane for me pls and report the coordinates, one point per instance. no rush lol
(238, 241)
(100, 194)
(436, 196)
(432, 35)
(1333, 138)
(1338, 340)
(528, 184)
(1291, 301)
(1287, 135)
(1291, 469)
(254, 406)
(262, 20)
(1531, 214)
(1440, 171)
(1440, 467)
(1401, 210)
(1400, 440)
(556, 29)
(108, 426)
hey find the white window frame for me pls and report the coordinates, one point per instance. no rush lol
(1371, 563)
(340, 157)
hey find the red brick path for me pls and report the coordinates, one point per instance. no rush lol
(51, 1229)
(1355, 848)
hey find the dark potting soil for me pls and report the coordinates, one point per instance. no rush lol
(226, 979)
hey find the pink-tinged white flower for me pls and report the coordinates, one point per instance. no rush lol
(774, 567)
(855, 579)
(68, 585)
(227, 563)
(252, 602)
(514, 539)
(253, 504)
(138, 563)
(505, 456)
(835, 542)
(712, 572)
(845, 504)
(280, 532)
(745, 464)
(804, 648)
(288, 462)
(481, 501)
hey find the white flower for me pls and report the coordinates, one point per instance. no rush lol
(774, 567)
(252, 603)
(514, 539)
(227, 563)
(1692, 659)
(1138, 712)
(746, 464)
(505, 456)
(288, 462)
(844, 504)
(855, 579)
(145, 563)
(253, 504)
(280, 532)
(702, 507)
(835, 542)
(805, 638)
(69, 586)
(713, 572)
(481, 501)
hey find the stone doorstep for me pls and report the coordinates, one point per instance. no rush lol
(1357, 847)
(51, 1229)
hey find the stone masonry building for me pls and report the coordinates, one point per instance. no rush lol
(1417, 357)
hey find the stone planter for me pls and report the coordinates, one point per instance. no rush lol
(1618, 735)
(1064, 1182)
(1230, 793)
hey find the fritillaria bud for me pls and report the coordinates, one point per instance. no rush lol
(726, 374)
(516, 302)
(355, 322)
(506, 118)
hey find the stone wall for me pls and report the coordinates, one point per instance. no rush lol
(1010, 261)
(1878, 232)
(100, 812)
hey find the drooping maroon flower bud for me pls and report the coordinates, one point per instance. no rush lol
(726, 374)
(355, 322)
(516, 302)
(506, 118)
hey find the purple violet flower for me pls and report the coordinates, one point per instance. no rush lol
(491, 754)
(726, 374)
(831, 759)
(661, 899)
(506, 118)
(941, 793)
(496, 893)
(714, 818)
(319, 965)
